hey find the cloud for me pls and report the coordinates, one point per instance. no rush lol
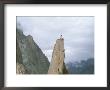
(48, 53)
(78, 33)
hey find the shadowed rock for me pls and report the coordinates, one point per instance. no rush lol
(31, 57)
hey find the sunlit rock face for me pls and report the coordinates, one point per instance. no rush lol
(57, 65)
(30, 58)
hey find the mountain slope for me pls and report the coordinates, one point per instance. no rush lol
(82, 67)
(33, 59)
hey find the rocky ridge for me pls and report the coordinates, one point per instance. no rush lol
(30, 58)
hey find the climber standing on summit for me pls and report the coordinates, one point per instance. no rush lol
(61, 37)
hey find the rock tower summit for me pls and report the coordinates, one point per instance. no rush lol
(57, 65)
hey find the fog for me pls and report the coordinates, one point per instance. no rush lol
(78, 34)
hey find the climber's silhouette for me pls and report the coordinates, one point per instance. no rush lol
(61, 37)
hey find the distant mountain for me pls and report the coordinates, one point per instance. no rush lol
(82, 67)
(30, 58)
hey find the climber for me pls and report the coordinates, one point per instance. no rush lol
(61, 37)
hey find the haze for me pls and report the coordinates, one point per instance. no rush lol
(78, 34)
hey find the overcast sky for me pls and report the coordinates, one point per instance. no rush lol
(78, 33)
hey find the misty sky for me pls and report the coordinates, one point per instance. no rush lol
(78, 33)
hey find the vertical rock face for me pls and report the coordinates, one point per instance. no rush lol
(57, 65)
(31, 58)
(20, 69)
